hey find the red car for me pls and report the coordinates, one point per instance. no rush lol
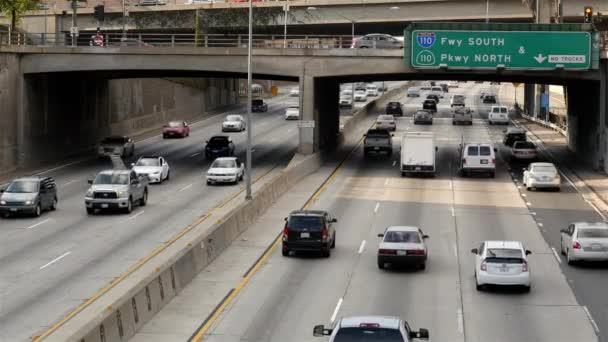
(176, 129)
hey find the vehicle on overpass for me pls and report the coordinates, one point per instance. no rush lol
(371, 89)
(502, 263)
(513, 134)
(116, 190)
(423, 116)
(541, 176)
(155, 168)
(225, 170)
(176, 129)
(116, 145)
(402, 245)
(377, 41)
(430, 105)
(219, 146)
(360, 95)
(418, 153)
(309, 231)
(498, 115)
(584, 241)
(523, 151)
(371, 329)
(462, 115)
(292, 112)
(258, 106)
(477, 158)
(413, 92)
(28, 195)
(234, 123)
(378, 141)
(387, 122)
(394, 108)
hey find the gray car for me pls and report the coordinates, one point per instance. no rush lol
(423, 116)
(29, 195)
(116, 145)
(377, 41)
(116, 189)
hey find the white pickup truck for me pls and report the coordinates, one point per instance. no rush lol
(418, 153)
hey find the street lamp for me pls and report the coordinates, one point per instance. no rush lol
(285, 10)
(488, 10)
(249, 100)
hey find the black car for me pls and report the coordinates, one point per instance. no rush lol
(430, 105)
(258, 105)
(219, 146)
(394, 108)
(309, 230)
(490, 99)
(433, 97)
(512, 135)
(28, 195)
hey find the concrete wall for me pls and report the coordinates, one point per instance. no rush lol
(9, 111)
(585, 135)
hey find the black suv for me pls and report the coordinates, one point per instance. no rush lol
(309, 230)
(430, 105)
(28, 195)
(394, 108)
(219, 146)
(512, 135)
(258, 105)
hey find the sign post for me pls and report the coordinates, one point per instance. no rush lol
(528, 50)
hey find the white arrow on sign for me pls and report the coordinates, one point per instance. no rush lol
(540, 58)
(595, 45)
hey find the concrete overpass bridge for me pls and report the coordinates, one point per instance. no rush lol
(36, 79)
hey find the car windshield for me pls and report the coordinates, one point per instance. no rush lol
(233, 118)
(176, 124)
(504, 256)
(148, 162)
(306, 222)
(218, 142)
(430, 103)
(593, 233)
(257, 102)
(224, 164)
(114, 140)
(386, 118)
(399, 236)
(358, 334)
(412, 89)
(111, 178)
(524, 144)
(293, 107)
(458, 97)
(23, 187)
(547, 169)
(394, 104)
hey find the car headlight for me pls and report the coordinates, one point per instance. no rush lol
(121, 193)
(532, 177)
(2, 202)
(89, 193)
(29, 202)
(156, 172)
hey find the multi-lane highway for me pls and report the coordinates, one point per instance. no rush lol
(289, 295)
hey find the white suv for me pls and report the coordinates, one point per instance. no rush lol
(498, 114)
(502, 263)
(478, 157)
(371, 329)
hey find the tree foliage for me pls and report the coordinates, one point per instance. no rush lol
(15, 8)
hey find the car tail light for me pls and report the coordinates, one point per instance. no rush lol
(524, 267)
(369, 325)
(324, 233)
(483, 266)
(576, 245)
(415, 252)
(387, 251)
(493, 161)
(285, 233)
(464, 162)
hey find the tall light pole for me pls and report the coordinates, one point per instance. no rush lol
(249, 100)
(488, 10)
(285, 11)
(124, 21)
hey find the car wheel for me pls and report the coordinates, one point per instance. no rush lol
(403, 173)
(492, 174)
(164, 136)
(326, 253)
(37, 210)
(526, 289)
(129, 207)
(422, 266)
(90, 211)
(53, 206)
(561, 246)
(144, 199)
(168, 175)
(478, 286)
(333, 241)
(380, 264)
(285, 251)
(568, 259)
(208, 182)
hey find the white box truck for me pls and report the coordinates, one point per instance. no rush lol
(418, 153)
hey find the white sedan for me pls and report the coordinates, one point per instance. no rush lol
(402, 245)
(225, 170)
(292, 112)
(502, 263)
(523, 150)
(346, 101)
(585, 241)
(361, 96)
(155, 168)
(235, 123)
(541, 175)
(387, 122)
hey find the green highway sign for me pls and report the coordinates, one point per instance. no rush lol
(432, 49)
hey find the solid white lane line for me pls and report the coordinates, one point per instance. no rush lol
(460, 321)
(559, 260)
(453, 211)
(186, 187)
(194, 154)
(335, 314)
(69, 182)
(136, 215)
(362, 247)
(55, 260)
(595, 327)
(455, 250)
(386, 181)
(451, 185)
(540, 224)
(37, 224)
(377, 206)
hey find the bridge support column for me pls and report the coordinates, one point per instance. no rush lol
(319, 104)
(604, 113)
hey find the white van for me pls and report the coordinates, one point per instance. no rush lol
(498, 114)
(371, 89)
(477, 158)
(418, 153)
(437, 90)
